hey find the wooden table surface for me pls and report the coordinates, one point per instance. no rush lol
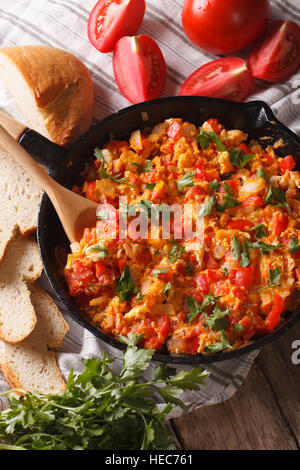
(264, 413)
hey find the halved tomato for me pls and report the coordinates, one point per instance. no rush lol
(110, 20)
(139, 68)
(276, 55)
(226, 78)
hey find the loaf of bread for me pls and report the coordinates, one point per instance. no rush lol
(52, 88)
(20, 267)
(29, 364)
(20, 200)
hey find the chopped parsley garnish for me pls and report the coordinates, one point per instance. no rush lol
(216, 347)
(238, 327)
(274, 277)
(194, 308)
(239, 158)
(147, 167)
(293, 245)
(214, 185)
(217, 321)
(126, 287)
(236, 248)
(101, 252)
(103, 171)
(228, 203)
(207, 206)
(140, 297)
(241, 252)
(260, 230)
(156, 272)
(262, 173)
(150, 186)
(204, 138)
(264, 247)
(276, 197)
(166, 289)
(176, 251)
(187, 181)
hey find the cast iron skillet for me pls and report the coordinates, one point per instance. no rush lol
(65, 164)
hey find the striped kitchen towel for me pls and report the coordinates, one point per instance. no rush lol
(63, 24)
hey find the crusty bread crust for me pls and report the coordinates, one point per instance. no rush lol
(20, 267)
(60, 85)
(29, 364)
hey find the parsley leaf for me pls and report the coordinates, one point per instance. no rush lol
(262, 173)
(150, 186)
(186, 181)
(166, 289)
(214, 185)
(126, 285)
(217, 321)
(204, 138)
(264, 247)
(239, 158)
(293, 245)
(274, 277)
(175, 251)
(216, 347)
(193, 308)
(228, 203)
(236, 248)
(207, 206)
(147, 166)
(260, 230)
(276, 197)
(238, 328)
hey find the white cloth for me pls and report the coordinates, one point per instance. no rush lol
(63, 24)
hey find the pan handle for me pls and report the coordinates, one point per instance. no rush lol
(44, 151)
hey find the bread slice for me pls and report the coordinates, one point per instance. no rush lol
(20, 266)
(52, 88)
(20, 200)
(29, 365)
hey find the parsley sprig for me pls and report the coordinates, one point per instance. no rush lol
(126, 287)
(100, 410)
(205, 138)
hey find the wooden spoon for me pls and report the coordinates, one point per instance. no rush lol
(75, 212)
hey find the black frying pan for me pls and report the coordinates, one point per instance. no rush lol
(65, 164)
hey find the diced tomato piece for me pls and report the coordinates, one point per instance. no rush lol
(101, 268)
(245, 149)
(255, 201)
(193, 258)
(202, 175)
(174, 131)
(157, 333)
(214, 276)
(280, 222)
(144, 257)
(134, 180)
(245, 323)
(122, 263)
(249, 328)
(240, 224)
(192, 344)
(233, 184)
(201, 282)
(297, 272)
(273, 318)
(90, 191)
(239, 294)
(164, 276)
(209, 261)
(214, 124)
(200, 164)
(242, 277)
(287, 164)
(151, 176)
(79, 277)
(194, 191)
(163, 325)
(158, 195)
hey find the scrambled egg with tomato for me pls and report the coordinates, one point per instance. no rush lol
(191, 299)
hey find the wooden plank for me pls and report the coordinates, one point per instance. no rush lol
(252, 419)
(283, 377)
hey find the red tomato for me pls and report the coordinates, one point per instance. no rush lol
(287, 164)
(209, 261)
(90, 191)
(214, 276)
(223, 26)
(121, 264)
(280, 222)
(110, 20)
(233, 184)
(253, 201)
(273, 318)
(226, 78)
(139, 68)
(202, 283)
(164, 276)
(214, 124)
(194, 191)
(240, 224)
(79, 277)
(242, 277)
(174, 131)
(275, 56)
(151, 176)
